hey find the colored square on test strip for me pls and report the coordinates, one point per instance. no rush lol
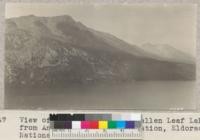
(116, 117)
(52, 124)
(103, 124)
(112, 124)
(138, 124)
(94, 124)
(130, 124)
(78, 117)
(85, 124)
(68, 124)
(121, 124)
(59, 124)
(76, 124)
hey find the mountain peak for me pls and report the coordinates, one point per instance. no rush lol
(63, 18)
(59, 18)
(29, 16)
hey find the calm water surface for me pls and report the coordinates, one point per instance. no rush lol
(135, 95)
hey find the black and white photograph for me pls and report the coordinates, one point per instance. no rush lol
(100, 56)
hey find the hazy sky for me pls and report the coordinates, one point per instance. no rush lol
(136, 24)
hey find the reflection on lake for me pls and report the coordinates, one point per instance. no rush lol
(137, 95)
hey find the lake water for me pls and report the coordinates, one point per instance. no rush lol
(135, 95)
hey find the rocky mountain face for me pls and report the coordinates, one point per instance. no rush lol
(59, 51)
(166, 52)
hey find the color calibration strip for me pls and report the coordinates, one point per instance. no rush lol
(95, 126)
(95, 121)
(83, 117)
